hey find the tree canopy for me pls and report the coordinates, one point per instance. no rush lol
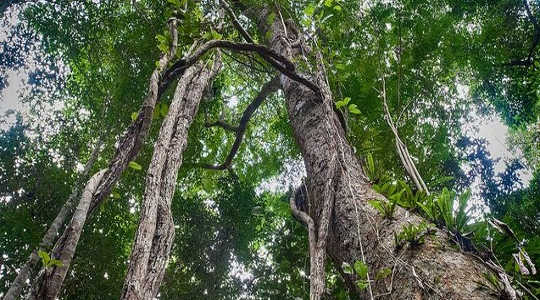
(440, 67)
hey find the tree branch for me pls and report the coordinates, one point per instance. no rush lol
(235, 22)
(267, 89)
(303, 216)
(277, 60)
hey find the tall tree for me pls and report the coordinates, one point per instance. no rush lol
(330, 57)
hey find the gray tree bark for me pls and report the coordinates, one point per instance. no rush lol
(49, 284)
(65, 248)
(357, 232)
(155, 234)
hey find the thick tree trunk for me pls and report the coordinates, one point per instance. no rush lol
(357, 232)
(155, 234)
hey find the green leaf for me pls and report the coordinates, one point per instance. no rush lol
(134, 116)
(377, 205)
(395, 198)
(383, 273)
(176, 3)
(340, 67)
(161, 38)
(328, 3)
(135, 166)
(268, 35)
(343, 102)
(347, 269)
(216, 35)
(362, 284)
(271, 18)
(45, 258)
(56, 262)
(163, 44)
(361, 269)
(370, 164)
(156, 113)
(309, 10)
(164, 109)
(354, 109)
(337, 8)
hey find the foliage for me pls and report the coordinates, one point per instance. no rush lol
(361, 270)
(413, 234)
(89, 63)
(385, 208)
(47, 261)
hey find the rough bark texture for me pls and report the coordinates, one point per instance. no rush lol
(357, 232)
(48, 285)
(155, 234)
(50, 236)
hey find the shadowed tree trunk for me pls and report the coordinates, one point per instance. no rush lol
(155, 234)
(356, 231)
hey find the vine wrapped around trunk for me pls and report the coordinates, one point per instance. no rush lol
(155, 234)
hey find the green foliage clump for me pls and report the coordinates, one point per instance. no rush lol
(414, 234)
(47, 261)
(361, 270)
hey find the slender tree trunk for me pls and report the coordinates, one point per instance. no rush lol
(48, 239)
(357, 232)
(155, 234)
(65, 248)
(49, 284)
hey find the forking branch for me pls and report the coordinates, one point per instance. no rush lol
(267, 89)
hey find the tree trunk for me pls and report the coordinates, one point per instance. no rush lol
(357, 232)
(65, 248)
(49, 284)
(155, 234)
(48, 239)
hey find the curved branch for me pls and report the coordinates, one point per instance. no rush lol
(277, 60)
(267, 89)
